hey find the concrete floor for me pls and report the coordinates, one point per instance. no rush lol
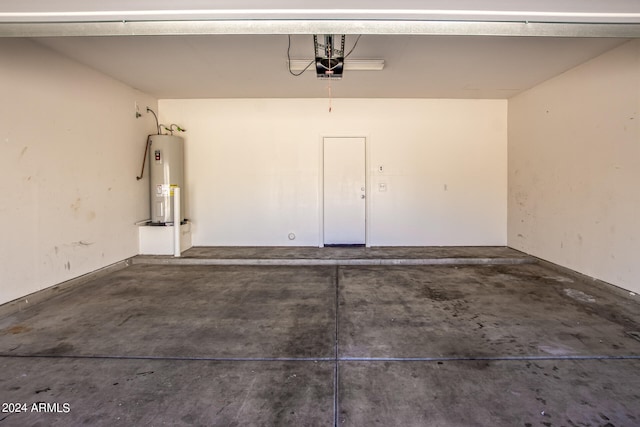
(502, 342)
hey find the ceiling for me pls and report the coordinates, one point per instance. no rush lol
(238, 48)
(255, 66)
(468, 10)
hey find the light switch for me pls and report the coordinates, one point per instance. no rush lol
(382, 186)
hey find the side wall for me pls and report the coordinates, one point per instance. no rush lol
(71, 149)
(574, 168)
(253, 168)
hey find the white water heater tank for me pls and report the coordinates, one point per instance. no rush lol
(166, 171)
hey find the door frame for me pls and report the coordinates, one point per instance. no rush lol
(367, 193)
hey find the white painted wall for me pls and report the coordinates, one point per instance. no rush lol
(71, 149)
(253, 168)
(574, 168)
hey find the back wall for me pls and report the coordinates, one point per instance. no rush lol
(253, 168)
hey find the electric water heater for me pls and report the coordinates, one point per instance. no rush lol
(166, 171)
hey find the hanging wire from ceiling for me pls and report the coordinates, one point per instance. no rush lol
(289, 61)
(354, 46)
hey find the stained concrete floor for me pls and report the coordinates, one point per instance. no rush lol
(463, 344)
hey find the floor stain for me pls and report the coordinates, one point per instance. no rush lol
(634, 334)
(18, 329)
(579, 295)
(62, 348)
(439, 295)
(44, 390)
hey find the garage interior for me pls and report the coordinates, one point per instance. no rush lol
(494, 280)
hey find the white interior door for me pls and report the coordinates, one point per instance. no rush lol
(344, 191)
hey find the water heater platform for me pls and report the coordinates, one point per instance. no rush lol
(158, 239)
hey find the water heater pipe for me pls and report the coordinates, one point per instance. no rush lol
(176, 222)
(144, 158)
